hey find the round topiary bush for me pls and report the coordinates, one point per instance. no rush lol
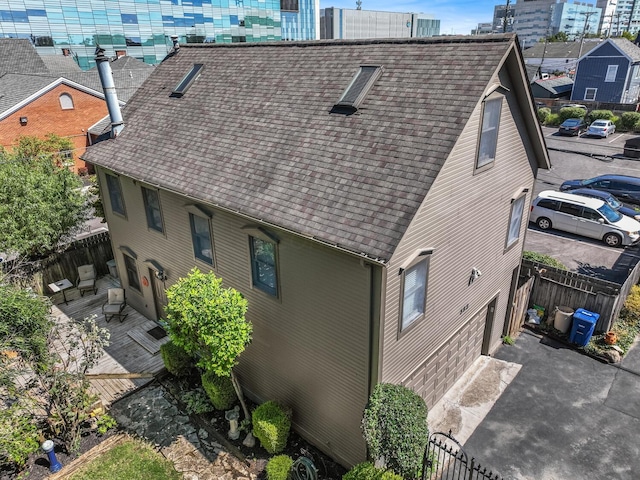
(543, 114)
(395, 428)
(176, 360)
(553, 120)
(600, 115)
(219, 390)
(571, 112)
(271, 425)
(279, 467)
(630, 121)
(367, 471)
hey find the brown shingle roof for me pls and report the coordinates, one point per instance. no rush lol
(254, 133)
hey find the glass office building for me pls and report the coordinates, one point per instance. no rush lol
(142, 28)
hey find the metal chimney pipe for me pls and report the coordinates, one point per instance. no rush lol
(106, 79)
(176, 45)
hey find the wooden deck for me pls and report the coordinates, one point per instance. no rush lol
(132, 357)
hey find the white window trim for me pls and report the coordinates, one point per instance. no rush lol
(420, 256)
(612, 71)
(66, 101)
(586, 91)
(520, 196)
(488, 164)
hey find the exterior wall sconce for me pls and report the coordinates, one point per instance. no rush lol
(475, 274)
(23, 120)
(160, 275)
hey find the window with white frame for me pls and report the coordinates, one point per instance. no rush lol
(515, 219)
(612, 70)
(115, 195)
(152, 208)
(264, 271)
(201, 237)
(132, 272)
(66, 101)
(488, 142)
(590, 93)
(414, 293)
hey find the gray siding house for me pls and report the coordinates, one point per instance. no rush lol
(369, 198)
(609, 73)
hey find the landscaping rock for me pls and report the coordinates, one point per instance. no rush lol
(612, 356)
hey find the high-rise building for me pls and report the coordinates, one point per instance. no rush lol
(503, 18)
(620, 16)
(483, 29)
(343, 23)
(143, 28)
(535, 20)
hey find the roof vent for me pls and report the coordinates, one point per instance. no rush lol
(188, 79)
(358, 88)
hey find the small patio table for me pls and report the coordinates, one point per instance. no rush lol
(61, 286)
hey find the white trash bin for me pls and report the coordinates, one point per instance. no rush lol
(562, 319)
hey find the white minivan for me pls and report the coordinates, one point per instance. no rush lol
(589, 217)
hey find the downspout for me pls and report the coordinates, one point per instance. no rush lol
(108, 86)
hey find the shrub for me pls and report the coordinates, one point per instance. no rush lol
(543, 114)
(544, 259)
(219, 390)
(18, 437)
(197, 401)
(176, 360)
(367, 471)
(279, 467)
(631, 308)
(630, 121)
(553, 119)
(571, 112)
(271, 426)
(395, 428)
(600, 115)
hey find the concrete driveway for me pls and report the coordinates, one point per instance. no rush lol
(564, 416)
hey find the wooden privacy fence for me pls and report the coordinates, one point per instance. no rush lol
(554, 287)
(519, 306)
(94, 249)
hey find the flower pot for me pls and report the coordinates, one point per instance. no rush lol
(610, 338)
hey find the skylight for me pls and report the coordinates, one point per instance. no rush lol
(188, 79)
(359, 86)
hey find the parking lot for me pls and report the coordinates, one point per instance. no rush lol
(583, 157)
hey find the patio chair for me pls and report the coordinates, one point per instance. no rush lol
(116, 301)
(86, 279)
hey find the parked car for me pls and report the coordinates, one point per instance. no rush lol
(632, 147)
(601, 128)
(611, 200)
(589, 217)
(574, 105)
(624, 187)
(572, 126)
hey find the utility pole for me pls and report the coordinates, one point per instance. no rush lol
(584, 29)
(505, 20)
(358, 4)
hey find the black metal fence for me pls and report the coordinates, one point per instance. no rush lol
(444, 459)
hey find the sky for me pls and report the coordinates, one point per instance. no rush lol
(457, 17)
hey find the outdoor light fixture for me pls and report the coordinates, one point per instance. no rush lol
(23, 120)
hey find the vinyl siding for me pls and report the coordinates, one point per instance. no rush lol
(465, 218)
(310, 347)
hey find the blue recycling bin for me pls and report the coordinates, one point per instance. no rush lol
(584, 323)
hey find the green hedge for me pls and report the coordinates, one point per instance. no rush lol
(176, 360)
(543, 114)
(600, 115)
(544, 259)
(553, 120)
(630, 121)
(279, 467)
(395, 427)
(219, 390)
(571, 112)
(368, 471)
(271, 425)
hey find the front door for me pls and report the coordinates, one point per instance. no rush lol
(159, 294)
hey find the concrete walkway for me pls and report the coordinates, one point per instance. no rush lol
(564, 416)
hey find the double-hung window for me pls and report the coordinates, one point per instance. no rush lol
(590, 93)
(132, 272)
(612, 70)
(264, 270)
(414, 292)
(152, 208)
(488, 142)
(115, 195)
(201, 237)
(515, 219)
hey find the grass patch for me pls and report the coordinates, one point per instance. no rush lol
(133, 459)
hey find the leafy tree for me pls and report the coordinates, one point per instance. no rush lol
(558, 37)
(628, 35)
(208, 321)
(43, 366)
(41, 202)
